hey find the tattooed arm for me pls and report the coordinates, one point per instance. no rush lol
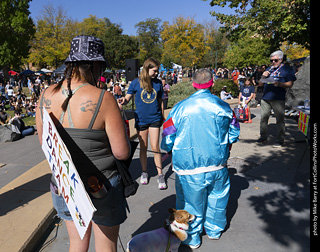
(47, 103)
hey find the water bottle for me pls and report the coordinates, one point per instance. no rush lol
(97, 189)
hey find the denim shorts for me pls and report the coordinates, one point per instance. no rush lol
(111, 209)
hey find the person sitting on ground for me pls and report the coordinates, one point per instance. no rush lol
(224, 95)
(4, 117)
(30, 109)
(19, 126)
(12, 103)
(2, 89)
(246, 93)
(2, 102)
(10, 92)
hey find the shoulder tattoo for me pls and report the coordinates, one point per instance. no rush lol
(88, 106)
(47, 103)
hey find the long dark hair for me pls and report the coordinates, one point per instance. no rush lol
(82, 70)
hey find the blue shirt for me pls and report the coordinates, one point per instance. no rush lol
(283, 73)
(148, 108)
(246, 91)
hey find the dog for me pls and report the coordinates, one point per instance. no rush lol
(167, 238)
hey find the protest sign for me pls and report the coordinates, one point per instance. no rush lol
(66, 176)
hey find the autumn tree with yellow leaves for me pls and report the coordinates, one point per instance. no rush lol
(183, 42)
(51, 43)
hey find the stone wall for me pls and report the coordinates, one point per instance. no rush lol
(301, 87)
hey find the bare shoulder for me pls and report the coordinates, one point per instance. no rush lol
(49, 90)
(109, 103)
(47, 97)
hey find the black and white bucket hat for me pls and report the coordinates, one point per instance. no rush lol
(86, 48)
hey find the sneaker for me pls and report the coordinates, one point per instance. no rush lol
(261, 140)
(278, 145)
(144, 178)
(193, 246)
(162, 183)
(213, 238)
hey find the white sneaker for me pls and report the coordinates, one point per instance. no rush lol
(194, 246)
(213, 238)
(162, 183)
(144, 178)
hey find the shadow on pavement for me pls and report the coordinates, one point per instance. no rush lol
(23, 194)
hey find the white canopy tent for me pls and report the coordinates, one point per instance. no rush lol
(46, 70)
(176, 66)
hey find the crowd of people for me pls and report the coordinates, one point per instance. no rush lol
(12, 98)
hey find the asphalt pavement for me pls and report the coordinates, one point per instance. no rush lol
(269, 205)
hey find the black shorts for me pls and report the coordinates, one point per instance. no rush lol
(147, 126)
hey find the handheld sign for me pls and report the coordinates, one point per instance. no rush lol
(66, 176)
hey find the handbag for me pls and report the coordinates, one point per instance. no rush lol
(130, 185)
(241, 113)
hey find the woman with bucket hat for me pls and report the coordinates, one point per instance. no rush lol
(89, 121)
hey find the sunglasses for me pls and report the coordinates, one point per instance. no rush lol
(275, 60)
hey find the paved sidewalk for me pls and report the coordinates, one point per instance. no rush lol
(268, 209)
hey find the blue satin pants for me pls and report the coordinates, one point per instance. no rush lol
(206, 196)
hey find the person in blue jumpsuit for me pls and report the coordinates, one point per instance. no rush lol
(199, 132)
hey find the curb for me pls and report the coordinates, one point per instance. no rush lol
(33, 241)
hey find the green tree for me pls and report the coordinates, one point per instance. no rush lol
(118, 46)
(184, 41)
(54, 32)
(149, 38)
(16, 29)
(248, 50)
(167, 61)
(281, 20)
(217, 43)
(93, 26)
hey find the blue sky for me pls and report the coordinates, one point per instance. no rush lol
(127, 13)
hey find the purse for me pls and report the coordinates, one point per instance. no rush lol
(130, 185)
